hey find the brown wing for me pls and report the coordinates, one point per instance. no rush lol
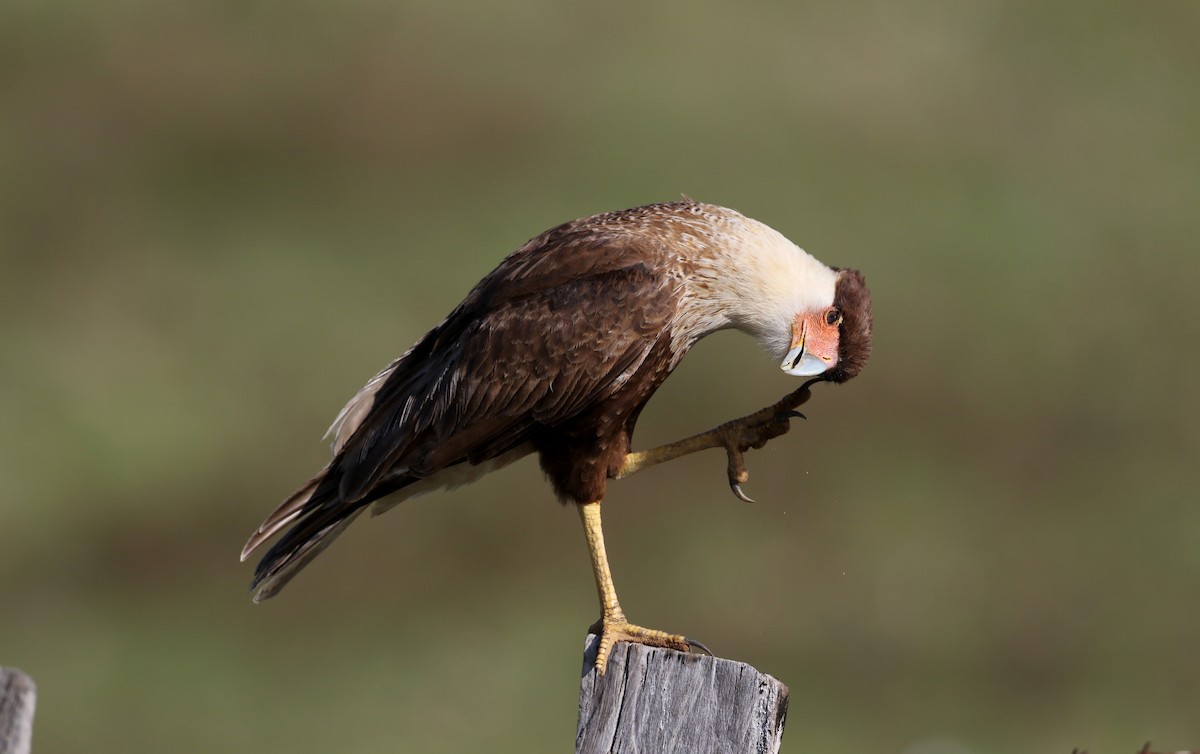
(561, 325)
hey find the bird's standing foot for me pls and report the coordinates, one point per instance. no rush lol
(612, 626)
(613, 629)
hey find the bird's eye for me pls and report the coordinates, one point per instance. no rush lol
(833, 317)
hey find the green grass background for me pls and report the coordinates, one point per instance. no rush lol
(218, 219)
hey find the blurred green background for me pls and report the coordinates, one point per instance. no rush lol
(217, 220)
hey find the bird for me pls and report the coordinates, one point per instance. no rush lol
(555, 353)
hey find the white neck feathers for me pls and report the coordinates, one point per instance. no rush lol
(750, 277)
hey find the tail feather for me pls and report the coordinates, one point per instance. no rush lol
(287, 512)
(313, 516)
(316, 514)
(299, 546)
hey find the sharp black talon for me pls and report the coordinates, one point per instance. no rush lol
(790, 414)
(694, 643)
(737, 490)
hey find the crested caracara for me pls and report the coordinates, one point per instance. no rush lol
(556, 352)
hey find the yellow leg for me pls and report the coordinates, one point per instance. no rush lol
(613, 625)
(644, 459)
(737, 436)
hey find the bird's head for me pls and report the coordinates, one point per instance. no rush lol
(816, 319)
(833, 342)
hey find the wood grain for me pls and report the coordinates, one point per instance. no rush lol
(659, 700)
(17, 698)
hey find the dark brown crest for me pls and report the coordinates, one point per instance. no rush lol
(853, 300)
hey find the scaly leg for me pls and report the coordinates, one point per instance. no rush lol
(613, 626)
(737, 436)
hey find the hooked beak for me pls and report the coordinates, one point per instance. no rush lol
(801, 361)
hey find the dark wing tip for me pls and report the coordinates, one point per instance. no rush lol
(288, 511)
(297, 549)
(312, 517)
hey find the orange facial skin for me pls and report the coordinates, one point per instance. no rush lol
(818, 333)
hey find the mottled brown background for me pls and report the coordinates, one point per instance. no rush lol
(218, 219)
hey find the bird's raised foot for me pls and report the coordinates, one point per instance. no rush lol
(613, 631)
(755, 431)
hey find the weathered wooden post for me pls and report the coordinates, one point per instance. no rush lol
(17, 698)
(658, 701)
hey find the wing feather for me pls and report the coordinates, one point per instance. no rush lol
(519, 354)
(561, 327)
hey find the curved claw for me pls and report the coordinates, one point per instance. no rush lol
(755, 430)
(737, 490)
(698, 645)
